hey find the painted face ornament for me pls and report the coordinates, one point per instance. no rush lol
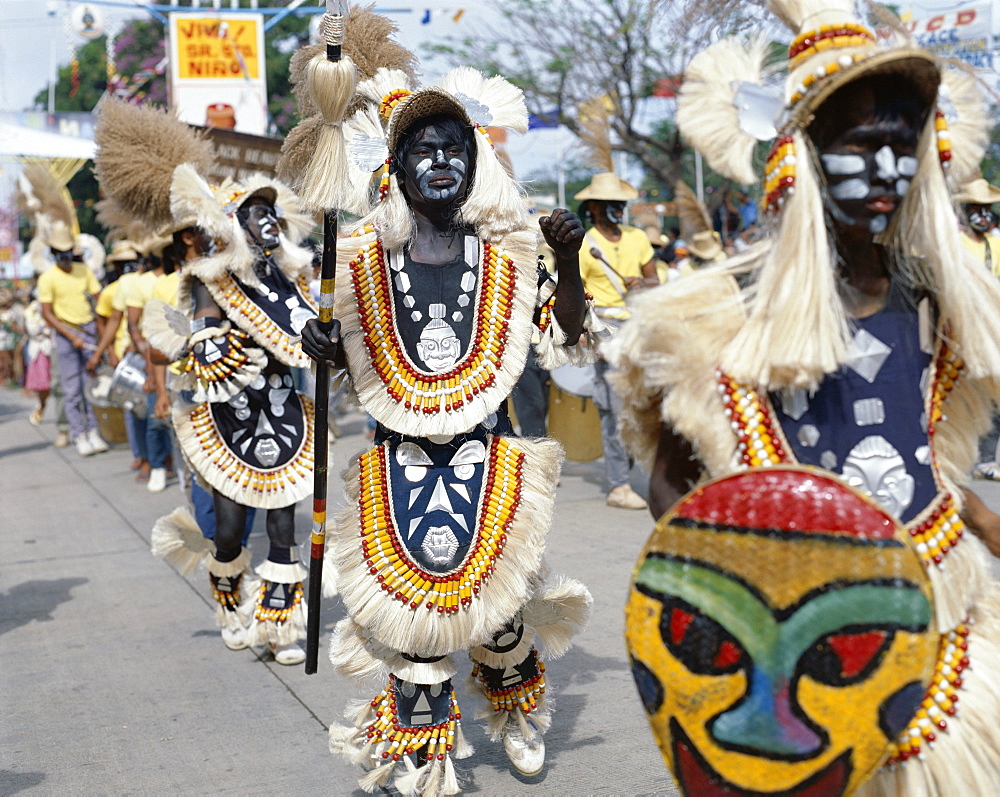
(780, 632)
(262, 226)
(436, 166)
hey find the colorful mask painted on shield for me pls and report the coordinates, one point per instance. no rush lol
(780, 629)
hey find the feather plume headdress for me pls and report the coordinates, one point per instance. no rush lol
(369, 110)
(46, 200)
(494, 206)
(797, 328)
(138, 150)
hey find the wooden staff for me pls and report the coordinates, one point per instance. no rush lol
(334, 32)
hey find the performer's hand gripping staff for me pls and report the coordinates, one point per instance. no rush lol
(332, 81)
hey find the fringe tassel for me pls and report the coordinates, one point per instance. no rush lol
(356, 655)
(331, 86)
(965, 757)
(552, 351)
(961, 580)
(166, 328)
(508, 588)
(178, 540)
(278, 627)
(664, 360)
(558, 615)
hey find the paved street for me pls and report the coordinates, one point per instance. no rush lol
(114, 680)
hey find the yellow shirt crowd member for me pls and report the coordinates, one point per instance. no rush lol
(142, 290)
(979, 250)
(626, 256)
(165, 289)
(69, 293)
(106, 305)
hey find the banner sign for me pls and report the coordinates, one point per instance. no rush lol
(217, 74)
(964, 34)
(236, 155)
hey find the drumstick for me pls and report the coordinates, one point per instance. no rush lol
(597, 254)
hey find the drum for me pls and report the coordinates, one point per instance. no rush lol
(573, 417)
(126, 384)
(98, 388)
(575, 380)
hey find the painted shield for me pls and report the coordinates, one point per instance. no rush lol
(780, 632)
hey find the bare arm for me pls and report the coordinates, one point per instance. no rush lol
(107, 338)
(675, 470)
(563, 232)
(984, 522)
(63, 329)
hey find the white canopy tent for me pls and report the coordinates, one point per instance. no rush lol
(24, 142)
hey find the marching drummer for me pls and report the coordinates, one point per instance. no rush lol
(614, 260)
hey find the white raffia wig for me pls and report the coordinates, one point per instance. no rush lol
(494, 206)
(797, 328)
(214, 208)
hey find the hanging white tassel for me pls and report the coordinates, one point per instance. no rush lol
(331, 86)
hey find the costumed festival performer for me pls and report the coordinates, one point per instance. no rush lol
(817, 616)
(440, 549)
(242, 428)
(616, 261)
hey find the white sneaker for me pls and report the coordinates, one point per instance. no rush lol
(83, 446)
(62, 440)
(96, 441)
(235, 638)
(527, 757)
(287, 654)
(625, 497)
(157, 480)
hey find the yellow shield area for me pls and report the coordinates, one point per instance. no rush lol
(780, 631)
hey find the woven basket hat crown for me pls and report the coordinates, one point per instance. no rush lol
(609, 187)
(422, 103)
(978, 192)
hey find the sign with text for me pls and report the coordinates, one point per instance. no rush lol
(963, 34)
(217, 74)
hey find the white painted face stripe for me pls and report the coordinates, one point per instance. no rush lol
(843, 164)
(885, 160)
(902, 186)
(855, 188)
(422, 167)
(907, 166)
(457, 165)
(878, 224)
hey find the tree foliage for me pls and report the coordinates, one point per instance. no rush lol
(564, 55)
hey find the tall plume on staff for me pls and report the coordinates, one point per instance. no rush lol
(595, 132)
(691, 212)
(138, 149)
(312, 158)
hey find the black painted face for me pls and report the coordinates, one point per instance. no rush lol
(869, 163)
(614, 211)
(64, 259)
(435, 166)
(981, 218)
(262, 225)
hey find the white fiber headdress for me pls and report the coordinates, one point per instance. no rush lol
(797, 327)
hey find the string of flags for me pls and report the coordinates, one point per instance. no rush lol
(433, 14)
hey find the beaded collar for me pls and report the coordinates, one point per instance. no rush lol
(397, 391)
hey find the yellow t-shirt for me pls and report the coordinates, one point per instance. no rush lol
(626, 256)
(106, 306)
(141, 291)
(979, 251)
(125, 284)
(165, 288)
(69, 293)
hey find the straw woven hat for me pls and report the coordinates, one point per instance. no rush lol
(978, 192)
(609, 187)
(122, 251)
(705, 245)
(424, 102)
(60, 237)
